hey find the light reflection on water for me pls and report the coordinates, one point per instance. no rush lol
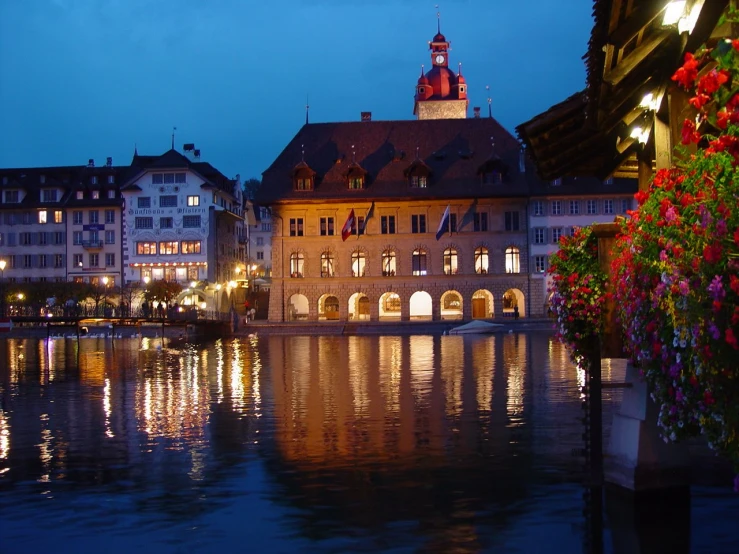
(283, 444)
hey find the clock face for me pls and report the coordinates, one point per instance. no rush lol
(439, 59)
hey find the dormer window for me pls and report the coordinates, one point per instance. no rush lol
(303, 177)
(493, 177)
(418, 174)
(304, 183)
(111, 179)
(419, 181)
(356, 182)
(96, 195)
(355, 177)
(80, 195)
(493, 171)
(94, 180)
(557, 182)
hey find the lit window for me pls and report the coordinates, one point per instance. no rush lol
(481, 260)
(327, 264)
(58, 216)
(297, 260)
(42, 216)
(358, 263)
(419, 262)
(169, 248)
(146, 248)
(450, 261)
(512, 260)
(193, 200)
(388, 263)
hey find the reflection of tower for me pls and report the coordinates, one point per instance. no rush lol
(440, 93)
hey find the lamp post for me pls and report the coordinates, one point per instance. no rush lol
(2, 287)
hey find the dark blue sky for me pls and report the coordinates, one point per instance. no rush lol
(86, 79)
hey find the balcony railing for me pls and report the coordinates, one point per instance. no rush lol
(92, 244)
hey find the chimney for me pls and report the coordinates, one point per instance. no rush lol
(90, 163)
(196, 153)
(188, 147)
(109, 161)
(366, 116)
(476, 111)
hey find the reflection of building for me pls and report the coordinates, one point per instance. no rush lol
(398, 179)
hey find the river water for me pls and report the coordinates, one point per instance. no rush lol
(310, 444)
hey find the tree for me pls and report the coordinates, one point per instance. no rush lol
(251, 186)
(163, 291)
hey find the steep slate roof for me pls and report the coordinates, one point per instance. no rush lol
(629, 54)
(453, 149)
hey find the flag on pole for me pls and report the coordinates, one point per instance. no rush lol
(346, 230)
(443, 224)
(370, 213)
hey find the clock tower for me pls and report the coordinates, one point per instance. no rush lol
(440, 93)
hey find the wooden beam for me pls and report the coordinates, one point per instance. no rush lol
(644, 163)
(640, 18)
(662, 144)
(645, 49)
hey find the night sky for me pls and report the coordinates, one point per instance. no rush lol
(86, 79)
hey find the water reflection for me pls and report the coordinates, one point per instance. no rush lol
(427, 443)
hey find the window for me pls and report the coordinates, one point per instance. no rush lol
(58, 237)
(42, 215)
(24, 239)
(450, 261)
(144, 223)
(109, 260)
(574, 207)
(109, 237)
(193, 274)
(191, 221)
(144, 202)
(625, 205)
(49, 196)
(169, 201)
(111, 193)
(267, 227)
(146, 248)
(538, 207)
(77, 217)
(492, 177)
(58, 216)
(193, 200)
(327, 264)
(190, 246)
(540, 263)
(96, 195)
(452, 223)
(539, 235)
(166, 223)
(304, 183)
(327, 227)
(94, 259)
(556, 234)
(93, 217)
(111, 180)
(418, 223)
(11, 197)
(94, 180)
(77, 237)
(481, 222)
(391, 302)
(419, 262)
(296, 264)
(43, 239)
(592, 207)
(168, 178)
(419, 181)
(260, 241)
(556, 182)
(43, 261)
(556, 207)
(180, 177)
(356, 182)
(511, 221)
(77, 260)
(512, 260)
(358, 223)
(608, 207)
(387, 224)
(296, 226)
(358, 263)
(157, 179)
(79, 195)
(27, 261)
(94, 239)
(109, 216)
(169, 248)
(260, 255)
(571, 231)
(608, 181)
(388, 263)
(58, 260)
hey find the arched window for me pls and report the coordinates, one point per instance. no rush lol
(358, 263)
(419, 262)
(391, 302)
(327, 264)
(388, 263)
(297, 261)
(450, 261)
(512, 260)
(481, 260)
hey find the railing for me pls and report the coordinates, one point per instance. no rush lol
(182, 313)
(92, 244)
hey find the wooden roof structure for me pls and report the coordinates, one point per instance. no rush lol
(632, 53)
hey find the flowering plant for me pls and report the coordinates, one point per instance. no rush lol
(676, 269)
(577, 290)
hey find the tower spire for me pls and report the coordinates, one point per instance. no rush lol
(438, 19)
(490, 102)
(307, 108)
(173, 131)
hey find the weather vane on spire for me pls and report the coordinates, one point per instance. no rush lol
(438, 19)
(490, 102)
(173, 131)
(307, 107)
